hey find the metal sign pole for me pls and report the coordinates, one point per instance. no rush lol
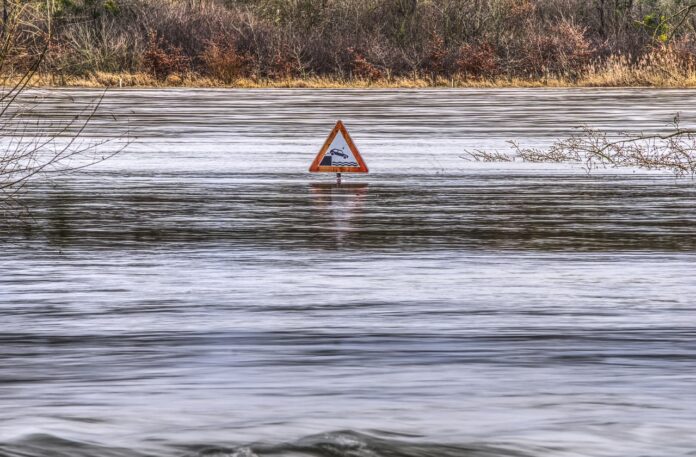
(338, 178)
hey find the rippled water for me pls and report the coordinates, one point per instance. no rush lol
(202, 294)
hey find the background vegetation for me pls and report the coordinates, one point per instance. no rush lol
(588, 42)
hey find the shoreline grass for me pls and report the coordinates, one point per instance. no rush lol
(626, 78)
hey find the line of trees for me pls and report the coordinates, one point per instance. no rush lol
(369, 39)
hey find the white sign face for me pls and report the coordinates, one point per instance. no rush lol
(339, 154)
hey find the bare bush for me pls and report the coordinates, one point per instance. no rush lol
(39, 148)
(595, 149)
(481, 155)
(34, 144)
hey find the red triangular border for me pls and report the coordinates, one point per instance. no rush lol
(316, 168)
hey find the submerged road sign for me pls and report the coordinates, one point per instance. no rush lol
(339, 154)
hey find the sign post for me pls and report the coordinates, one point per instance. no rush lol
(338, 155)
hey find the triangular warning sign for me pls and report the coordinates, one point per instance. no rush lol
(339, 154)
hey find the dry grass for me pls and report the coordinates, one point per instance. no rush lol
(660, 68)
(614, 77)
(656, 69)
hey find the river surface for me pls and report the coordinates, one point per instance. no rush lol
(202, 294)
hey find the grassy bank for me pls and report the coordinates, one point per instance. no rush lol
(652, 72)
(351, 43)
(124, 80)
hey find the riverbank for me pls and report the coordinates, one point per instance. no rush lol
(328, 44)
(618, 77)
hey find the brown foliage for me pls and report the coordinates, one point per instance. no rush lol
(477, 60)
(224, 62)
(437, 54)
(362, 68)
(163, 59)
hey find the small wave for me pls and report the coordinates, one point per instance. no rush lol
(42, 445)
(241, 452)
(332, 444)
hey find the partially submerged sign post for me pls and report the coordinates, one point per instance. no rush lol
(338, 155)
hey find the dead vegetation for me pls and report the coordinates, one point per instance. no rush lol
(34, 145)
(383, 43)
(593, 149)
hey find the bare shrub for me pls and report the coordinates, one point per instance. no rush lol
(571, 48)
(594, 149)
(560, 50)
(85, 49)
(480, 155)
(672, 153)
(44, 147)
(284, 66)
(35, 145)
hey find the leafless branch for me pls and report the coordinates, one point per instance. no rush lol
(595, 149)
(35, 144)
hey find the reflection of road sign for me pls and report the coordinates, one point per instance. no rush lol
(337, 208)
(339, 154)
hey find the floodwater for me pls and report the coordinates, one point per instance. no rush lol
(202, 294)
